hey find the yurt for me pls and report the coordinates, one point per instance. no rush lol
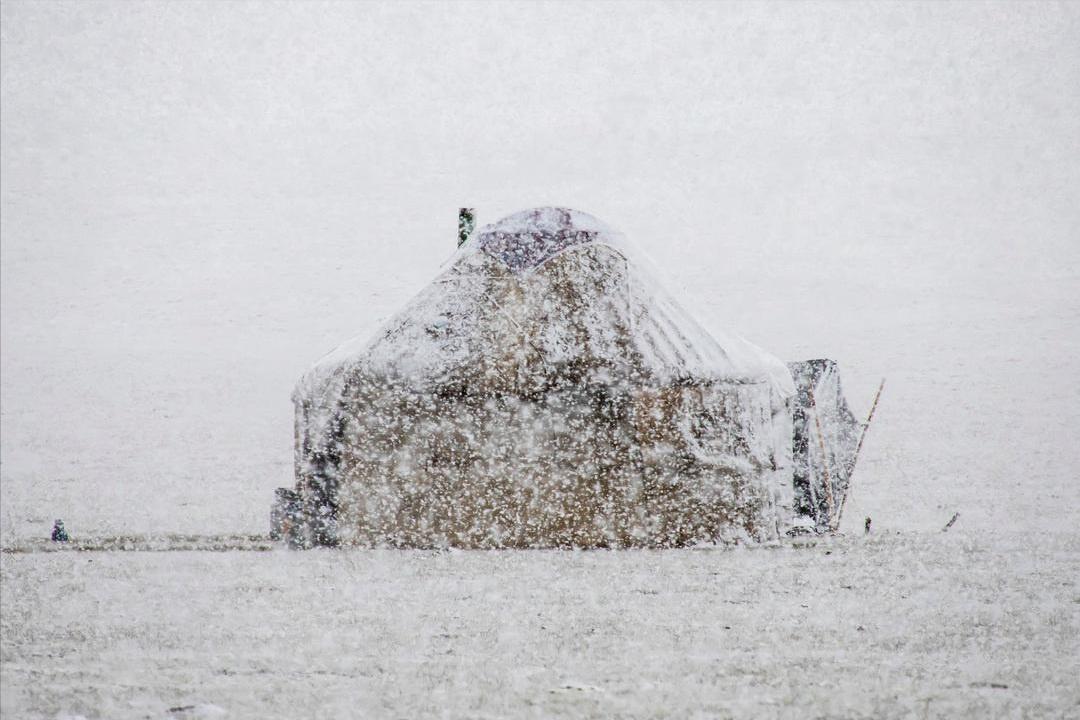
(543, 392)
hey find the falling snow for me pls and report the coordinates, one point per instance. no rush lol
(200, 199)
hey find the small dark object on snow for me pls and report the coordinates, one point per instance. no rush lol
(285, 520)
(59, 532)
(950, 523)
(867, 525)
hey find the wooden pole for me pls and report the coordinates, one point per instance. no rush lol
(855, 457)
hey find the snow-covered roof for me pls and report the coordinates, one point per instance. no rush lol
(619, 308)
(530, 238)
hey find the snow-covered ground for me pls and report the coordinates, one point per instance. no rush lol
(896, 626)
(198, 200)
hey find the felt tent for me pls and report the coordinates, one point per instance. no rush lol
(544, 391)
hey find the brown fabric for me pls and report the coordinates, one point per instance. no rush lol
(544, 423)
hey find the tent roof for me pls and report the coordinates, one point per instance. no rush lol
(530, 238)
(670, 339)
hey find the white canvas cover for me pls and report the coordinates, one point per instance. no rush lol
(544, 391)
(825, 443)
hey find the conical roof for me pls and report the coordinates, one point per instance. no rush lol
(528, 239)
(619, 308)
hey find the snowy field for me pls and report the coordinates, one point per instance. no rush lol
(888, 627)
(200, 200)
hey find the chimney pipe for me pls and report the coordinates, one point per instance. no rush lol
(466, 222)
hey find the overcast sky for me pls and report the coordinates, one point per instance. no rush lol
(198, 200)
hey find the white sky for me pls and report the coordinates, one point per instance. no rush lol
(198, 200)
